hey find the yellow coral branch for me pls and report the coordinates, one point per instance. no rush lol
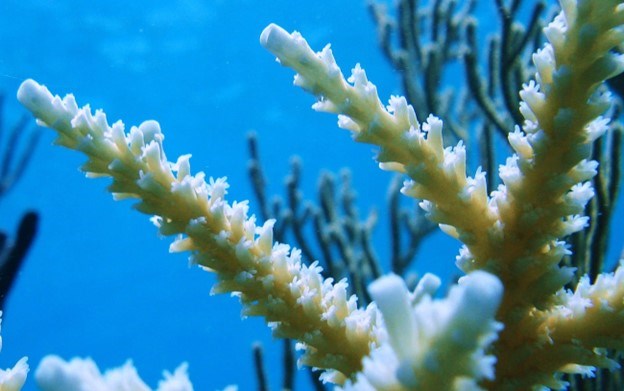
(269, 278)
(458, 202)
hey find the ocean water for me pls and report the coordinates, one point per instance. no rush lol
(98, 281)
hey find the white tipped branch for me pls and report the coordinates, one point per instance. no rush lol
(270, 278)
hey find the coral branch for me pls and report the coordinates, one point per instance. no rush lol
(269, 278)
(457, 202)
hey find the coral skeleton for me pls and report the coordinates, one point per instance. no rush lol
(508, 324)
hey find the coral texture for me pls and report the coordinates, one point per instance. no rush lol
(508, 324)
(12, 379)
(55, 374)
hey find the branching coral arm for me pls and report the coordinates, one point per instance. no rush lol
(514, 234)
(269, 278)
(457, 202)
(545, 191)
(546, 186)
(583, 320)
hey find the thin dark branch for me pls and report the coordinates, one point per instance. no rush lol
(263, 384)
(14, 254)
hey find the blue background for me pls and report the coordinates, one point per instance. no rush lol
(98, 281)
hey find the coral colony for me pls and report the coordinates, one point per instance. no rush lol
(507, 325)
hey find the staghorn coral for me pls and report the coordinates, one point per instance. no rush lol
(515, 233)
(270, 278)
(507, 324)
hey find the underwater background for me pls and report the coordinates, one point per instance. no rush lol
(98, 281)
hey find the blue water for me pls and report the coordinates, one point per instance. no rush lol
(98, 281)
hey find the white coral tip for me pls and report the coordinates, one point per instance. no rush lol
(288, 48)
(481, 296)
(393, 300)
(273, 37)
(13, 379)
(176, 381)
